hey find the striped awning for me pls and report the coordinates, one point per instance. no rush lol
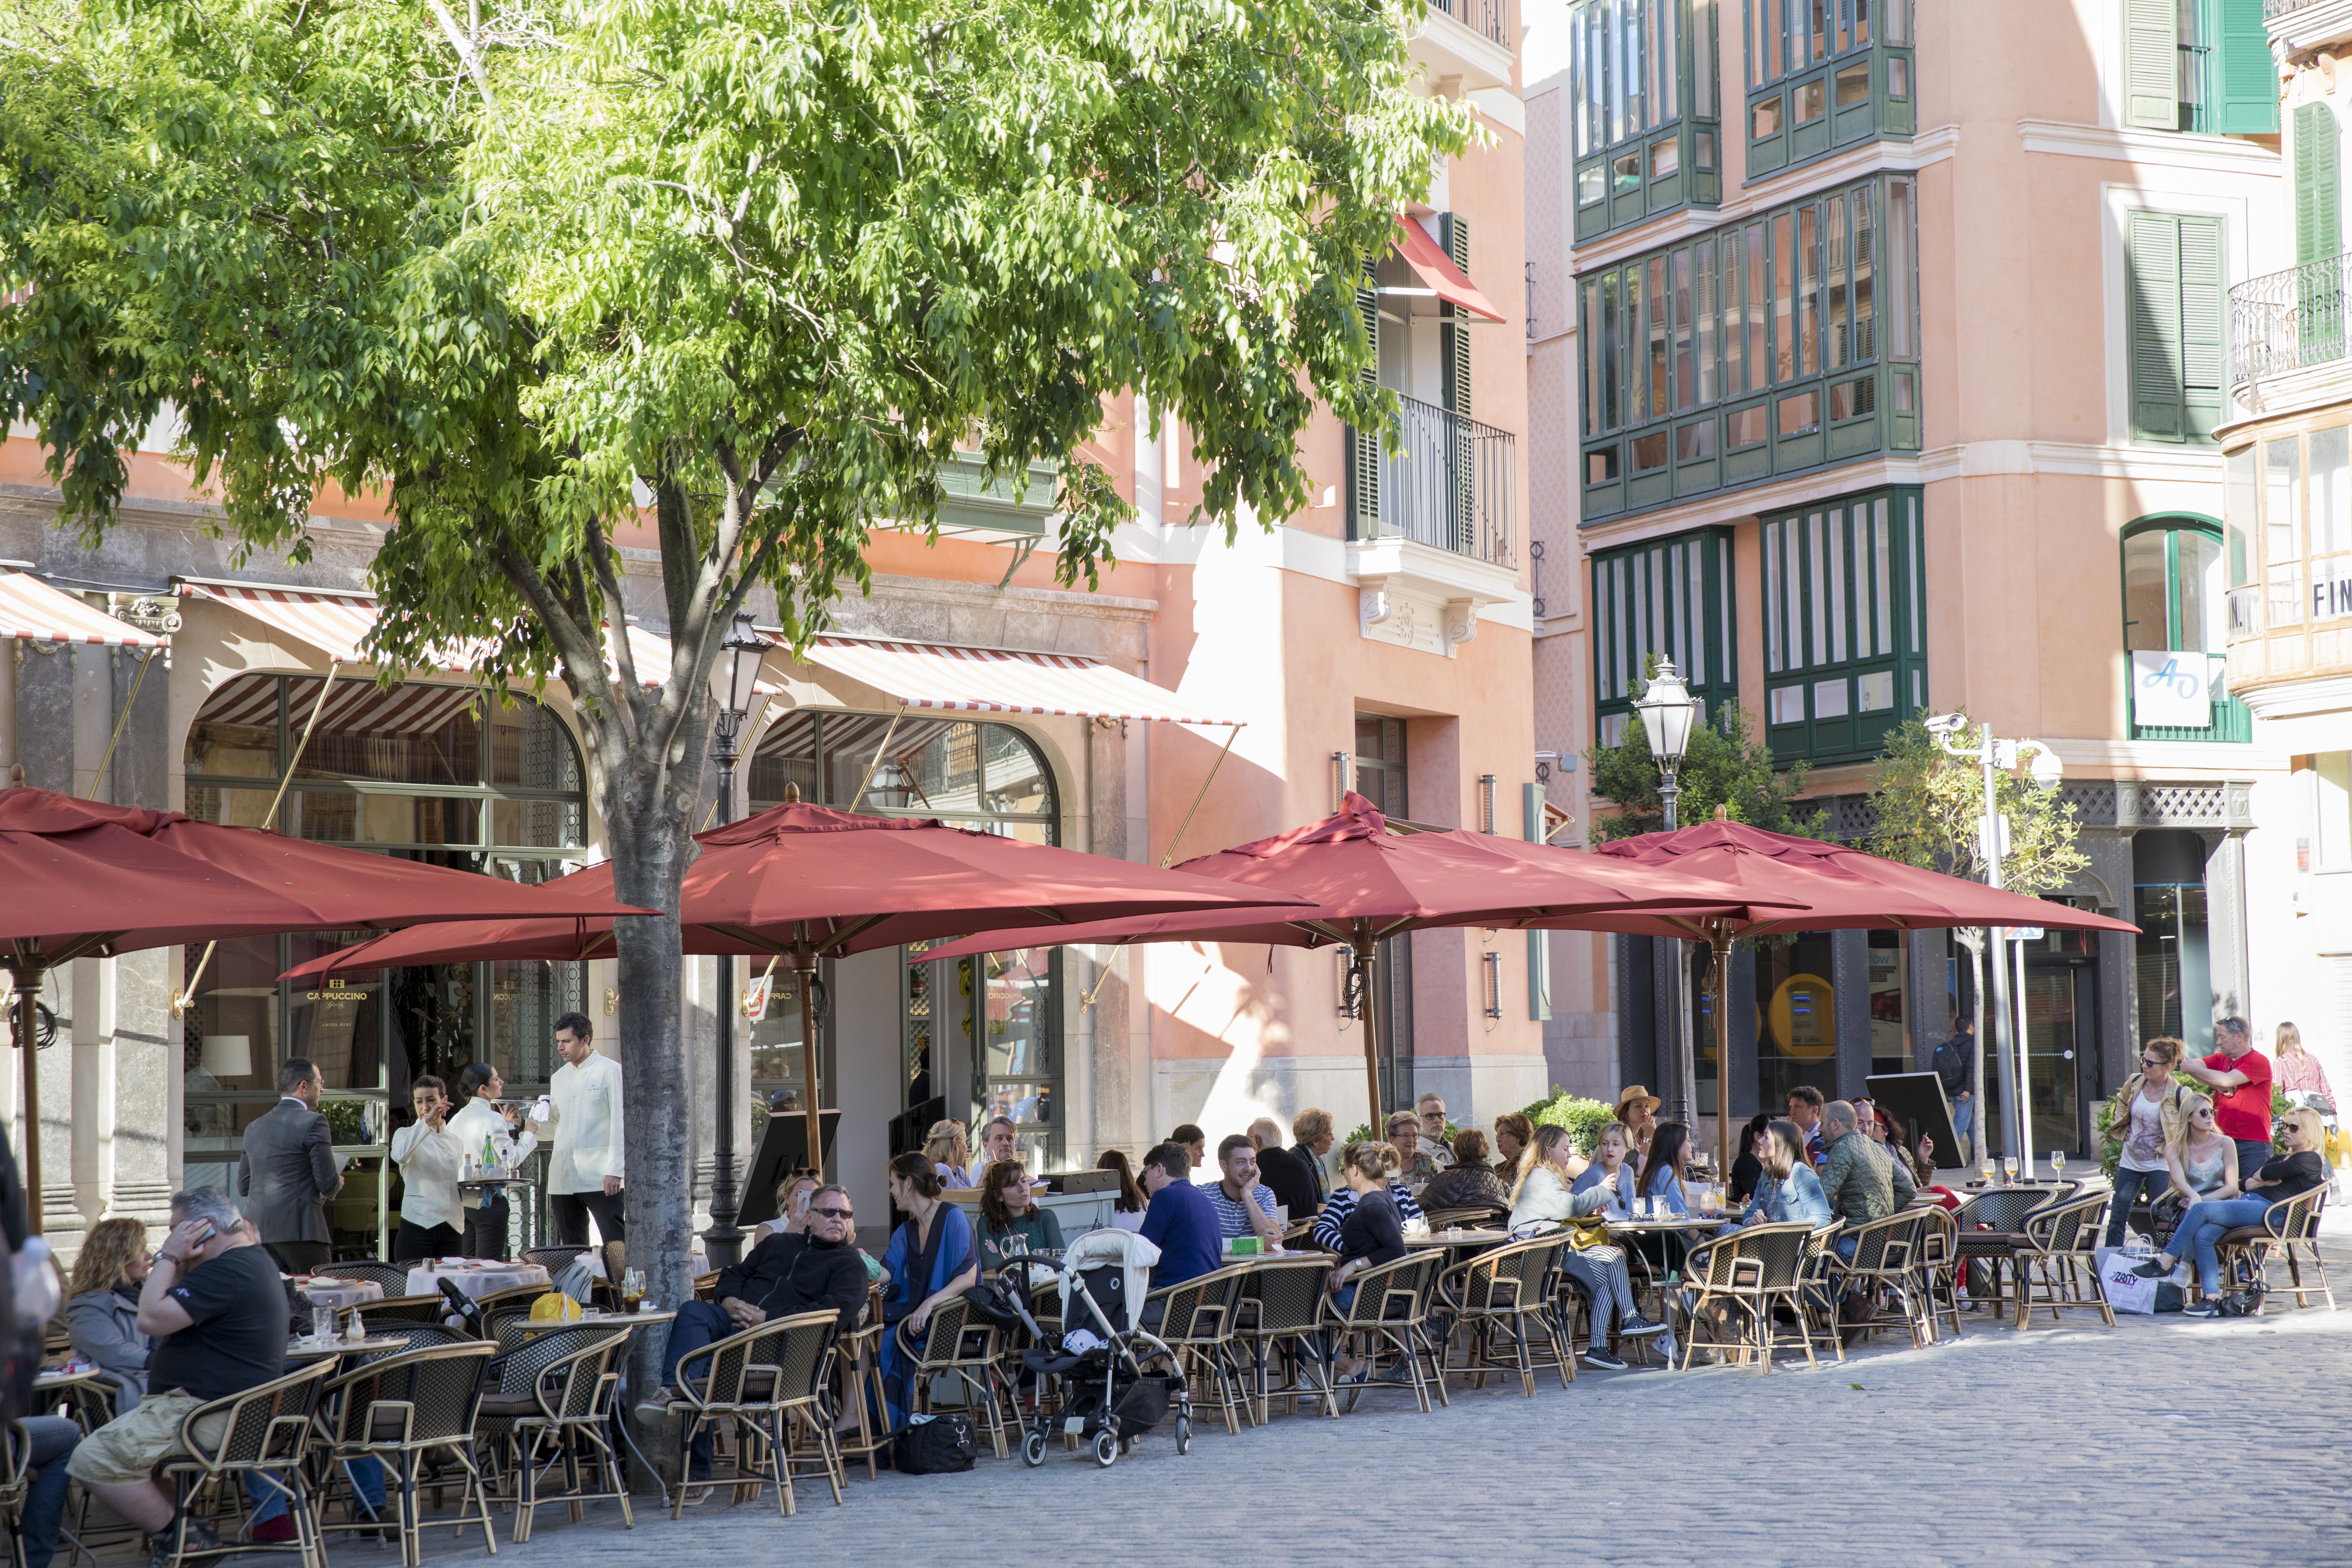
(1003, 680)
(355, 705)
(32, 610)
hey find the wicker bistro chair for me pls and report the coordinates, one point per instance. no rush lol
(551, 1259)
(1934, 1274)
(393, 1277)
(500, 1307)
(958, 1341)
(1992, 1231)
(1392, 1312)
(1200, 1320)
(1734, 1282)
(263, 1434)
(1281, 1336)
(1502, 1303)
(760, 1382)
(1883, 1267)
(403, 1408)
(858, 1355)
(2290, 1229)
(15, 1487)
(553, 1402)
(2057, 1267)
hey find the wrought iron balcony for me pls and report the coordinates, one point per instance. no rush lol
(2290, 321)
(1488, 19)
(1448, 481)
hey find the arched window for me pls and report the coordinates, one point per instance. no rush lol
(993, 1025)
(417, 773)
(2174, 602)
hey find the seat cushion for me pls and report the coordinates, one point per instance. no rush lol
(1981, 1242)
(2245, 1233)
(510, 1405)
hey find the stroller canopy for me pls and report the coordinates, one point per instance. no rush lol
(1109, 1248)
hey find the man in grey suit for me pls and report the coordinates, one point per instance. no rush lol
(289, 1171)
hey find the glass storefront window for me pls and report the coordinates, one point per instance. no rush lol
(1796, 1035)
(2176, 992)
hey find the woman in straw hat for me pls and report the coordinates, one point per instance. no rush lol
(1637, 1108)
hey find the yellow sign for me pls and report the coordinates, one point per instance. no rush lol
(1804, 1018)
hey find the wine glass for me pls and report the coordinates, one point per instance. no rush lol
(2057, 1166)
(2008, 1168)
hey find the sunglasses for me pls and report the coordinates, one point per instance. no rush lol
(2151, 1061)
(831, 1213)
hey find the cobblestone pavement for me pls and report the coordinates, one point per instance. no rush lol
(2078, 1445)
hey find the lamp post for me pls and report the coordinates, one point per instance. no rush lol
(1667, 708)
(738, 670)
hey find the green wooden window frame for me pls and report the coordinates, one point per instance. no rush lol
(1824, 75)
(1784, 343)
(2181, 558)
(1846, 648)
(2199, 65)
(1670, 596)
(2176, 310)
(1645, 129)
(2318, 184)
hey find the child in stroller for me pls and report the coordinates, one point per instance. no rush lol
(1093, 1382)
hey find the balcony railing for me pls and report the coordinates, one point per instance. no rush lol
(1488, 19)
(1449, 481)
(2281, 7)
(2290, 321)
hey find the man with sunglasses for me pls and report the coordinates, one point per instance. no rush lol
(791, 1273)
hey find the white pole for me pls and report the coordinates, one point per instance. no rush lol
(2024, 1077)
(1989, 824)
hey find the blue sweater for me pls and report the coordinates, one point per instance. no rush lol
(1183, 1223)
(1798, 1195)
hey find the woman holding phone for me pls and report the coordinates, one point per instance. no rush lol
(428, 1154)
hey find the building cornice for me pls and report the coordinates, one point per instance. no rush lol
(2165, 148)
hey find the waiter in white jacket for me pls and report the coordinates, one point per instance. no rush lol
(585, 1166)
(482, 1122)
(427, 1154)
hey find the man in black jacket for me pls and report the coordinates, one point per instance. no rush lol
(785, 1275)
(1956, 1060)
(1288, 1177)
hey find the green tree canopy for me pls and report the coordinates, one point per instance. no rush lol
(744, 271)
(1929, 802)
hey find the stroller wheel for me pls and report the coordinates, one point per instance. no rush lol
(1106, 1449)
(1183, 1434)
(1033, 1449)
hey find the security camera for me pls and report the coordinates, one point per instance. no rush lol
(1946, 723)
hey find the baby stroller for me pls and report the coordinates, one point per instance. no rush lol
(1094, 1370)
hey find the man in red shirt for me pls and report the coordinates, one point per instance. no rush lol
(2240, 1077)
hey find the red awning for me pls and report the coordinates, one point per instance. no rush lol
(32, 610)
(1438, 272)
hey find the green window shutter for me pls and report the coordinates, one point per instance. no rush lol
(1454, 234)
(2243, 82)
(2151, 68)
(2152, 321)
(2319, 224)
(1364, 445)
(2204, 325)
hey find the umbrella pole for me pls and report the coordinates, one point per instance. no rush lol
(28, 1054)
(1720, 940)
(805, 965)
(1363, 948)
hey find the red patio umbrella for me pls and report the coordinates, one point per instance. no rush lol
(808, 881)
(1842, 889)
(85, 879)
(1368, 883)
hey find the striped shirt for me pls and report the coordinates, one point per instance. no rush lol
(1342, 1202)
(1232, 1223)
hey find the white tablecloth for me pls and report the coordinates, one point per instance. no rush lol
(322, 1291)
(476, 1278)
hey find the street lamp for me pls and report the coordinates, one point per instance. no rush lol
(737, 676)
(1667, 709)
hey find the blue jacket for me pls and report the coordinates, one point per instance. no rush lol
(1183, 1223)
(1615, 1206)
(1797, 1197)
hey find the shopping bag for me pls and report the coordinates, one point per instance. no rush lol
(2126, 1290)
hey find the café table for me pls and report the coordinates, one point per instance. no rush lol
(475, 1277)
(302, 1347)
(327, 1290)
(1467, 1236)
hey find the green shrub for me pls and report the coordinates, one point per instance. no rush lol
(1583, 1118)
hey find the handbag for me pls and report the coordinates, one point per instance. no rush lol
(2164, 1217)
(1586, 1234)
(934, 1446)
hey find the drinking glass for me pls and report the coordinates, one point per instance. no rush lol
(633, 1287)
(322, 1324)
(2009, 1167)
(2057, 1165)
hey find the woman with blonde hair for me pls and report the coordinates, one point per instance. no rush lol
(2203, 1165)
(2145, 1117)
(1539, 1199)
(948, 1149)
(2299, 1071)
(103, 1307)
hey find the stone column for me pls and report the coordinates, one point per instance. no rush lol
(1746, 1097)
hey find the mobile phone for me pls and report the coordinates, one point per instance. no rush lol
(206, 1231)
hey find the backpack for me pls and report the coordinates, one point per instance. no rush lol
(934, 1446)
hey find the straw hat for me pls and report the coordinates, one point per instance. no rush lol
(1637, 1094)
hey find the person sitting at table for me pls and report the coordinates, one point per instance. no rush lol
(1513, 1133)
(215, 1307)
(1469, 1182)
(791, 1206)
(1540, 1199)
(1862, 1179)
(1637, 1112)
(1296, 1191)
(2201, 1164)
(1612, 1174)
(1181, 1222)
(1373, 1234)
(1195, 1144)
(998, 1140)
(1012, 1224)
(1244, 1205)
(1747, 1168)
(1313, 1129)
(1127, 1209)
(1661, 1181)
(1325, 1231)
(930, 1260)
(1413, 1167)
(103, 1307)
(948, 1149)
(1879, 1127)
(1788, 1190)
(430, 1159)
(2198, 1234)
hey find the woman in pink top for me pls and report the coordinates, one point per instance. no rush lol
(2299, 1071)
